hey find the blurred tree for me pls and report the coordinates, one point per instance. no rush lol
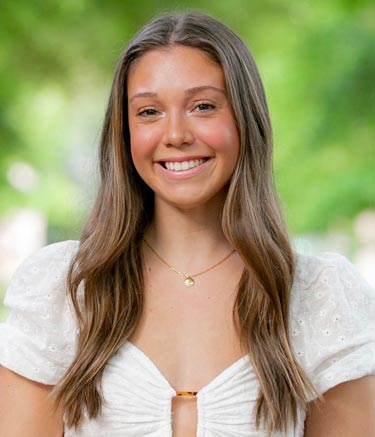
(326, 152)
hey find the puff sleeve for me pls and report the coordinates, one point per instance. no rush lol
(38, 339)
(332, 321)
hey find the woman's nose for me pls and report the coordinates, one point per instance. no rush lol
(177, 131)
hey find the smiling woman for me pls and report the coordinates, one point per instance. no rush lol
(183, 309)
(183, 136)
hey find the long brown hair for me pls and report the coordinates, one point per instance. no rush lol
(105, 279)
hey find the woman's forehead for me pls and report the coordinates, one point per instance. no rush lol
(176, 66)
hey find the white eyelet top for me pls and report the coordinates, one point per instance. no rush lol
(332, 328)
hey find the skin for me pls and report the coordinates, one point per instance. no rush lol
(25, 408)
(348, 411)
(176, 122)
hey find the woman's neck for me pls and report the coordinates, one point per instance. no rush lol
(190, 238)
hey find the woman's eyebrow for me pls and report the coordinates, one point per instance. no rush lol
(189, 92)
(197, 89)
(144, 94)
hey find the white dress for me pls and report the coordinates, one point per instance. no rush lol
(332, 326)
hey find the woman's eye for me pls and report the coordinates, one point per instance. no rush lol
(205, 106)
(148, 112)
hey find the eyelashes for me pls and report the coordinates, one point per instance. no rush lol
(147, 112)
(205, 107)
(153, 112)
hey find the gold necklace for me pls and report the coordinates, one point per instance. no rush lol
(188, 279)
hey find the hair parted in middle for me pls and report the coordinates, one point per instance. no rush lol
(109, 260)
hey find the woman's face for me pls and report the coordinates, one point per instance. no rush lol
(183, 137)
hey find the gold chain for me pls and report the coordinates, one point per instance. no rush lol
(188, 279)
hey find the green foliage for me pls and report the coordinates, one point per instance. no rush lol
(316, 58)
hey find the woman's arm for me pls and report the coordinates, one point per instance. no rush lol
(25, 408)
(348, 411)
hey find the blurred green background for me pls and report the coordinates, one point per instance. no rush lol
(57, 58)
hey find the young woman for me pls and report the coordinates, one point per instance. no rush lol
(183, 308)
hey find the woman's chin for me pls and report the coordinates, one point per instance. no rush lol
(191, 202)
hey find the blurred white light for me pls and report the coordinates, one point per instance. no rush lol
(22, 176)
(364, 227)
(22, 232)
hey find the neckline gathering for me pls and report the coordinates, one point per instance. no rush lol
(221, 377)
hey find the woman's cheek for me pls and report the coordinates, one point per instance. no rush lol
(143, 141)
(220, 138)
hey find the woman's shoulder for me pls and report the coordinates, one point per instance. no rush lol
(327, 276)
(312, 269)
(332, 320)
(54, 254)
(328, 290)
(38, 338)
(42, 272)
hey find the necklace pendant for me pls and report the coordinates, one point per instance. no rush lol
(189, 281)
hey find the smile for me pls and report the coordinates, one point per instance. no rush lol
(183, 168)
(184, 165)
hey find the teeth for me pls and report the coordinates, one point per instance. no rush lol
(184, 165)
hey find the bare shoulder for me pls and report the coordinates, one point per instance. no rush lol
(347, 411)
(22, 397)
